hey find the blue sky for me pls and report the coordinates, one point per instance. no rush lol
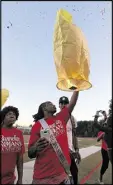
(28, 69)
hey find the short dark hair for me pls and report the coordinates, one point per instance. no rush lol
(7, 109)
(64, 100)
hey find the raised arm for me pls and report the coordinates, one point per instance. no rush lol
(100, 137)
(104, 129)
(101, 128)
(73, 101)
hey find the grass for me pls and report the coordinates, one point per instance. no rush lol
(86, 142)
(83, 143)
(86, 164)
(90, 163)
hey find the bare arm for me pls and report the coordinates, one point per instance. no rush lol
(75, 139)
(20, 168)
(100, 137)
(73, 101)
(76, 143)
(32, 151)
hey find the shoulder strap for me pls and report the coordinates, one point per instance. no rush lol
(57, 148)
(44, 124)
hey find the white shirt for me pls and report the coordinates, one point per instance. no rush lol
(69, 133)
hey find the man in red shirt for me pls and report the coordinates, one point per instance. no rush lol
(105, 157)
(12, 147)
(48, 169)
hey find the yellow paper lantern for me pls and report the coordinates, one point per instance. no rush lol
(4, 96)
(71, 54)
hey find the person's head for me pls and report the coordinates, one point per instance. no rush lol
(9, 115)
(104, 124)
(46, 109)
(63, 101)
(109, 119)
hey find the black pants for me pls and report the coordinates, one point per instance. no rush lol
(74, 171)
(105, 161)
(110, 155)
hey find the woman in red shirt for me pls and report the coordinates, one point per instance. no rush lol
(105, 157)
(48, 169)
(12, 146)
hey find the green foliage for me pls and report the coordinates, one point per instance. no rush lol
(86, 129)
(110, 108)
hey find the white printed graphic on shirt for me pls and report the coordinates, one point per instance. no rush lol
(10, 144)
(57, 128)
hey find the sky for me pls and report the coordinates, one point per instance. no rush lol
(28, 69)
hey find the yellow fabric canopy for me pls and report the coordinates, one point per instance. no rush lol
(71, 54)
(4, 96)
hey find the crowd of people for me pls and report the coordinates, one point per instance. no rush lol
(56, 156)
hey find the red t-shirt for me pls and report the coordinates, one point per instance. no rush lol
(47, 164)
(104, 145)
(12, 144)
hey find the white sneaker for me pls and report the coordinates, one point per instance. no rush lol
(100, 182)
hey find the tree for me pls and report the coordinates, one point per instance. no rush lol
(86, 129)
(30, 126)
(109, 120)
(110, 108)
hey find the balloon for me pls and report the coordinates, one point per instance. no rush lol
(4, 96)
(71, 54)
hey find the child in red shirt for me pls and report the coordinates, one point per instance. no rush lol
(48, 169)
(12, 147)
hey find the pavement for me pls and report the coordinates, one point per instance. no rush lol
(28, 166)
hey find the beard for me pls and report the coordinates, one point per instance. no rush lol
(53, 111)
